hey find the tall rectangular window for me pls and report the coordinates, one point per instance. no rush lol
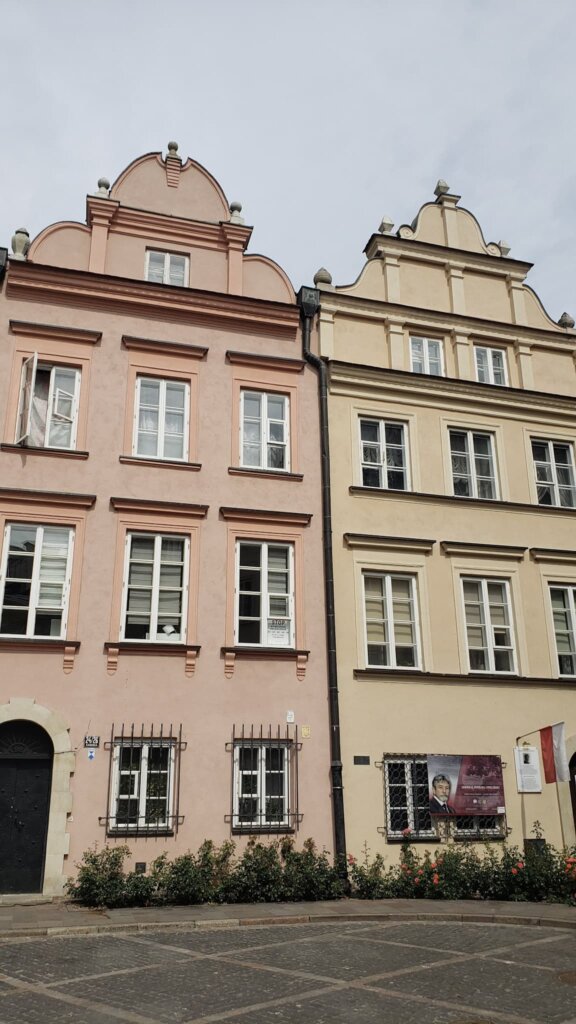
(161, 418)
(264, 426)
(155, 588)
(35, 580)
(142, 785)
(391, 621)
(426, 356)
(264, 594)
(564, 613)
(554, 467)
(488, 625)
(48, 405)
(261, 786)
(490, 365)
(167, 268)
(383, 454)
(473, 469)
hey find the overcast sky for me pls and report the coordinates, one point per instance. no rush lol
(319, 116)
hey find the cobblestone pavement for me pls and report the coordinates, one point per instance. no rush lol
(375, 973)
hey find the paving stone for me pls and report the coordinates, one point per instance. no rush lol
(184, 991)
(32, 1008)
(206, 941)
(492, 986)
(341, 959)
(560, 955)
(57, 959)
(461, 938)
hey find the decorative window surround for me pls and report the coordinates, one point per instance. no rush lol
(266, 362)
(382, 543)
(268, 528)
(54, 332)
(155, 517)
(164, 363)
(19, 507)
(556, 555)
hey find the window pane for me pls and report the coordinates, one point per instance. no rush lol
(369, 431)
(156, 267)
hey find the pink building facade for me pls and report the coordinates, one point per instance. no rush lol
(162, 631)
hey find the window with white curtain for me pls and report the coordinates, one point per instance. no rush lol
(48, 405)
(167, 268)
(161, 418)
(489, 632)
(473, 464)
(564, 614)
(35, 580)
(391, 621)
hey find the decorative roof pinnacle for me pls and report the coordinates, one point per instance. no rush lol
(20, 244)
(386, 225)
(235, 213)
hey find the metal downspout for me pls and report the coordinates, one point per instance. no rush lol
(309, 303)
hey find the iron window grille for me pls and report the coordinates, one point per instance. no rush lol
(264, 796)
(144, 781)
(406, 803)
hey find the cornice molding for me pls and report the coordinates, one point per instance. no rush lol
(344, 376)
(410, 676)
(381, 543)
(178, 230)
(171, 348)
(265, 362)
(178, 508)
(55, 332)
(366, 308)
(452, 499)
(217, 310)
(508, 551)
(59, 499)
(415, 250)
(558, 556)
(258, 515)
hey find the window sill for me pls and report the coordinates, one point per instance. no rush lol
(26, 449)
(43, 645)
(114, 648)
(134, 833)
(137, 460)
(263, 830)
(265, 654)
(481, 837)
(276, 474)
(465, 678)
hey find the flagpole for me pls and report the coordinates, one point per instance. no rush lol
(534, 731)
(560, 814)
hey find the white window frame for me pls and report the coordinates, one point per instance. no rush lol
(140, 778)
(460, 830)
(387, 579)
(265, 421)
(471, 457)
(570, 610)
(261, 822)
(30, 368)
(383, 446)
(154, 635)
(426, 343)
(35, 580)
(164, 382)
(491, 356)
(553, 484)
(167, 259)
(490, 629)
(265, 595)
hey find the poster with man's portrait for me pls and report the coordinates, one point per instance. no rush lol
(465, 784)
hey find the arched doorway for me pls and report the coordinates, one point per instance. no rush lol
(26, 756)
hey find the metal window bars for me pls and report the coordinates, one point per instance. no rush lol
(144, 781)
(406, 801)
(264, 796)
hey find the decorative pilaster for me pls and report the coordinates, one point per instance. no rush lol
(100, 212)
(455, 278)
(524, 362)
(396, 346)
(391, 270)
(517, 304)
(461, 349)
(236, 237)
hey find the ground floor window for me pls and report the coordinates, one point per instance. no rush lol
(264, 781)
(144, 782)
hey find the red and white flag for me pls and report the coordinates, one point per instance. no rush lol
(554, 753)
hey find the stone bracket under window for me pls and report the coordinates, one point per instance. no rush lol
(43, 645)
(113, 650)
(265, 654)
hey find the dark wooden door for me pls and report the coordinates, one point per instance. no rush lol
(25, 776)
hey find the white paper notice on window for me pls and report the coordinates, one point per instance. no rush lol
(278, 632)
(528, 776)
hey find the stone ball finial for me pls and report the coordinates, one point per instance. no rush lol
(172, 149)
(566, 320)
(504, 247)
(386, 225)
(442, 188)
(20, 243)
(236, 212)
(322, 276)
(103, 187)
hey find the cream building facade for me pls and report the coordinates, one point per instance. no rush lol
(452, 430)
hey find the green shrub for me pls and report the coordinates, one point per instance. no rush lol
(100, 881)
(307, 874)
